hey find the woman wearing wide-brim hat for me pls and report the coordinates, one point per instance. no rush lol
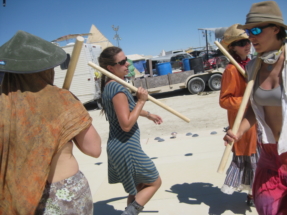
(241, 171)
(267, 32)
(39, 121)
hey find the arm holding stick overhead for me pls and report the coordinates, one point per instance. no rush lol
(88, 140)
(119, 80)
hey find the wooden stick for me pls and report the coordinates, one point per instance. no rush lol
(239, 116)
(73, 62)
(225, 52)
(112, 76)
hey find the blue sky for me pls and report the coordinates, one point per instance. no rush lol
(146, 26)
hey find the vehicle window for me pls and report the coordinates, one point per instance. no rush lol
(180, 57)
(201, 54)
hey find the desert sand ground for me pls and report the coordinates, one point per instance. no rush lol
(203, 111)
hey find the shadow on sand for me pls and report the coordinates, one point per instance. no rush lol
(102, 207)
(218, 202)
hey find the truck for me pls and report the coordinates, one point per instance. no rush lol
(84, 84)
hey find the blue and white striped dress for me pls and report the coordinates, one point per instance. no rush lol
(127, 162)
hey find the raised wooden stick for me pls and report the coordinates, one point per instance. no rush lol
(73, 62)
(112, 76)
(225, 52)
(239, 117)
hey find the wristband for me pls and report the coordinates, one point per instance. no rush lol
(148, 114)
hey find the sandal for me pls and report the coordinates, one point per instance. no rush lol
(250, 201)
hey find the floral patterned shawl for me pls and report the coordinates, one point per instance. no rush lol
(37, 119)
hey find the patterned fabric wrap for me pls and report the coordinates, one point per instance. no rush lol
(241, 62)
(270, 185)
(71, 196)
(127, 162)
(37, 119)
(241, 172)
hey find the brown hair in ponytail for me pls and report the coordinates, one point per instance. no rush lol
(107, 57)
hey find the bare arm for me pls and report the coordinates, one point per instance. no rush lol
(89, 142)
(144, 113)
(126, 118)
(153, 117)
(248, 121)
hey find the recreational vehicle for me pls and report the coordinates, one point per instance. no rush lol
(84, 84)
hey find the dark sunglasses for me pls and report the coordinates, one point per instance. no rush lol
(122, 62)
(240, 43)
(257, 30)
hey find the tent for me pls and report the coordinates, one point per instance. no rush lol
(96, 37)
(135, 57)
(138, 61)
(162, 53)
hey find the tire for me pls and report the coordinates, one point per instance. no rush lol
(196, 85)
(214, 82)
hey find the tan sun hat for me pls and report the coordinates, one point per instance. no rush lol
(263, 12)
(232, 34)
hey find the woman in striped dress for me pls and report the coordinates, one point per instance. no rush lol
(241, 171)
(127, 162)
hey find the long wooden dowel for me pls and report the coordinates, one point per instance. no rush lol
(73, 62)
(225, 52)
(110, 75)
(239, 117)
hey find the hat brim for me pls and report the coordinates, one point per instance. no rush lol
(27, 53)
(226, 43)
(251, 25)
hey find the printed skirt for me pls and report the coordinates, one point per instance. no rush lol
(241, 172)
(71, 196)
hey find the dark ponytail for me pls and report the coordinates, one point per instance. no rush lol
(107, 57)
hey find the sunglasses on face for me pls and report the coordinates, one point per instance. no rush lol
(257, 30)
(122, 62)
(240, 43)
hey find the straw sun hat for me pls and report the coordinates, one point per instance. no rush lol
(232, 34)
(27, 53)
(267, 12)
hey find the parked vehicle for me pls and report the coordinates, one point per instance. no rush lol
(215, 60)
(172, 52)
(176, 60)
(84, 84)
(194, 82)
